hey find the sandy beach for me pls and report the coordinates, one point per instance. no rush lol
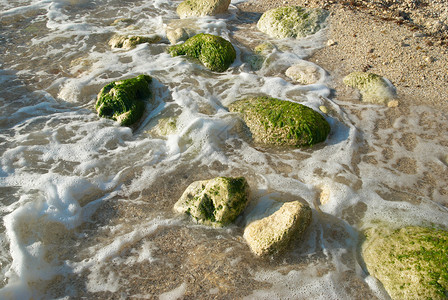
(411, 52)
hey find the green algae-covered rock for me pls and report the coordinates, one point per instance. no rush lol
(374, 88)
(292, 21)
(216, 202)
(129, 42)
(200, 8)
(411, 262)
(278, 122)
(213, 51)
(124, 100)
(273, 234)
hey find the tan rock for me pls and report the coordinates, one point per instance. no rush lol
(200, 8)
(273, 234)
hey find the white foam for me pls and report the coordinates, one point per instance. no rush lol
(177, 293)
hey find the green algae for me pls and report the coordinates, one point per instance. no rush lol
(213, 51)
(411, 262)
(124, 100)
(278, 122)
(374, 88)
(216, 202)
(292, 21)
(129, 42)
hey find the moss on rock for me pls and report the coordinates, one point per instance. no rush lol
(292, 21)
(216, 202)
(411, 262)
(129, 42)
(273, 234)
(213, 51)
(374, 88)
(278, 122)
(124, 100)
(200, 8)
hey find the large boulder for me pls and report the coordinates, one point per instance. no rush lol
(411, 262)
(129, 42)
(213, 51)
(216, 202)
(292, 22)
(200, 8)
(374, 88)
(278, 122)
(124, 100)
(273, 234)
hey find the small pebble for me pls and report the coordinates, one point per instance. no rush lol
(392, 103)
(331, 43)
(418, 34)
(323, 109)
(428, 59)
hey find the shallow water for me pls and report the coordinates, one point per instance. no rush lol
(87, 204)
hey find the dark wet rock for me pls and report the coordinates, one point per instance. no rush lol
(292, 21)
(124, 100)
(213, 51)
(216, 202)
(278, 122)
(410, 262)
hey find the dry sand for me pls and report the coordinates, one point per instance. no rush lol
(404, 41)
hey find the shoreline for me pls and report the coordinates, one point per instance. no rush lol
(360, 40)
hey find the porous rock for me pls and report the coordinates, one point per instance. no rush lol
(272, 234)
(292, 22)
(304, 73)
(410, 262)
(200, 8)
(374, 88)
(278, 122)
(129, 42)
(214, 52)
(124, 100)
(216, 202)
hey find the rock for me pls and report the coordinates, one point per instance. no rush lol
(258, 57)
(129, 42)
(410, 262)
(323, 109)
(181, 30)
(213, 51)
(216, 202)
(273, 234)
(292, 22)
(392, 103)
(124, 100)
(304, 73)
(278, 122)
(374, 88)
(200, 8)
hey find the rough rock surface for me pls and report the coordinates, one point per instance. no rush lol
(304, 73)
(278, 122)
(374, 88)
(214, 52)
(292, 22)
(124, 100)
(129, 42)
(216, 202)
(410, 262)
(180, 30)
(200, 8)
(272, 234)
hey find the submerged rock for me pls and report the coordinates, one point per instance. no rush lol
(278, 122)
(273, 234)
(374, 88)
(215, 202)
(259, 55)
(200, 8)
(292, 22)
(304, 73)
(129, 42)
(213, 51)
(181, 30)
(124, 100)
(410, 262)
